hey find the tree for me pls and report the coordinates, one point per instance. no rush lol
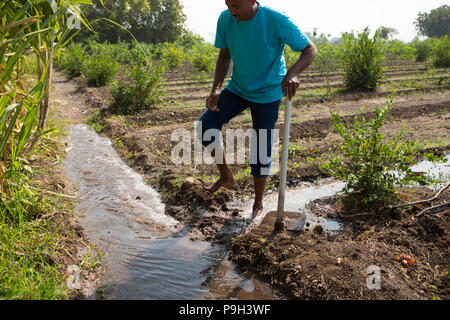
(149, 21)
(386, 32)
(435, 24)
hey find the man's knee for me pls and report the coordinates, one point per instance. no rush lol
(207, 131)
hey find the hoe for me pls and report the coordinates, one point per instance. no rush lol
(291, 221)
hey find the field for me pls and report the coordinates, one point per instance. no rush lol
(310, 265)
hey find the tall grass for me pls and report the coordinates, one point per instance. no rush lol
(31, 34)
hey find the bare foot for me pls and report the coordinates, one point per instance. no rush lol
(221, 183)
(257, 209)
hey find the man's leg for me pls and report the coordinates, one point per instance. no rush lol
(264, 118)
(260, 187)
(230, 105)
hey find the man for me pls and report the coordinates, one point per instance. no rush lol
(253, 36)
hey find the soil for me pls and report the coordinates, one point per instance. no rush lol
(310, 264)
(315, 265)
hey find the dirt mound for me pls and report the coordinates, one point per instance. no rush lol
(323, 266)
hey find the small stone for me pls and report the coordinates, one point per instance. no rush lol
(397, 214)
(318, 229)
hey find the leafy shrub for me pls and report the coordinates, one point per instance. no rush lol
(362, 59)
(140, 91)
(71, 60)
(399, 49)
(326, 60)
(369, 162)
(441, 52)
(423, 50)
(99, 70)
(290, 56)
(119, 51)
(18, 203)
(174, 56)
(203, 57)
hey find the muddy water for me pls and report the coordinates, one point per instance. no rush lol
(148, 255)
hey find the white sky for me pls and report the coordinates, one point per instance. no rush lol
(328, 16)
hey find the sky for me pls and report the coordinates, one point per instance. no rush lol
(328, 16)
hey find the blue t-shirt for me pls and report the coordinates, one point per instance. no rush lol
(256, 47)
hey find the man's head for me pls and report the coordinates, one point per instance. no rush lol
(242, 9)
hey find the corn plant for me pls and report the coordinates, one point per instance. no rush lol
(28, 28)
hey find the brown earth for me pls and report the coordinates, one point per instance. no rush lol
(315, 265)
(147, 137)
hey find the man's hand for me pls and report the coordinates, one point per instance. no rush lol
(290, 85)
(211, 102)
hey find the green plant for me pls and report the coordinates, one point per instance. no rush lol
(72, 60)
(203, 56)
(326, 60)
(140, 91)
(441, 52)
(17, 201)
(290, 56)
(99, 70)
(32, 33)
(369, 162)
(174, 56)
(399, 49)
(423, 49)
(362, 59)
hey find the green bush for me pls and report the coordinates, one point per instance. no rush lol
(423, 49)
(18, 203)
(140, 91)
(71, 60)
(326, 60)
(290, 56)
(441, 52)
(368, 162)
(99, 70)
(119, 51)
(400, 50)
(174, 56)
(362, 61)
(203, 57)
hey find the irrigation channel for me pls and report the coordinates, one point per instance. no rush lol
(148, 254)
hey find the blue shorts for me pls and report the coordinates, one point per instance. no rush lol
(264, 116)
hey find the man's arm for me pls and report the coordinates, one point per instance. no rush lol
(291, 82)
(222, 67)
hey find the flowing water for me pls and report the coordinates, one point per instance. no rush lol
(149, 255)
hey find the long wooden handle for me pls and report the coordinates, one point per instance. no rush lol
(284, 160)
